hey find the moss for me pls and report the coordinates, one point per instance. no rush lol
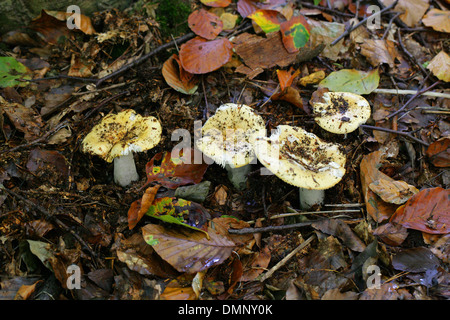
(172, 16)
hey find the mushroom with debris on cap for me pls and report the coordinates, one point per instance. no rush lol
(117, 136)
(339, 112)
(302, 159)
(227, 138)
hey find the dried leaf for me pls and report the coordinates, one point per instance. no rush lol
(342, 231)
(313, 78)
(179, 289)
(439, 20)
(216, 3)
(205, 24)
(200, 56)
(418, 259)
(256, 264)
(139, 207)
(376, 208)
(391, 233)
(427, 211)
(175, 170)
(411, 10)
(379, 51)
(187, 250)
(51, 28)
(439, 152)
(324, 33)
(396, 192)
(440, 66)
(178, 78)
(267, 20)
(85, 25)
(285, 78)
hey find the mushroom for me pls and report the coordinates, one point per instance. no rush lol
(227, 138)
(303, 160)
(117, 136)
(340, 112)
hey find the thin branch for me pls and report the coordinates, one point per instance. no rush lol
(405, 134)
(405, 92)
(418, 93)
(353, 27)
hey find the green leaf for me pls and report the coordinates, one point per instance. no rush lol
(351, 80)
(295, 33)
(10, 71)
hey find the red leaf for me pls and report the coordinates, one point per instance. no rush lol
(205, 24)
(216, 3)
(139, 207)
(285, 78)
(200, 56)
(427, 211)
(178, 78)
(439, 152)
(295, 33)
(175, 172)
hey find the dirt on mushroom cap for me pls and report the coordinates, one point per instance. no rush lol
(122, 133)
(301, 158)
(228, 136)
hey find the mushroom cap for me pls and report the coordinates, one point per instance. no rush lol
(227, 137)
(119, 134)
(301, 158)
(341, 112)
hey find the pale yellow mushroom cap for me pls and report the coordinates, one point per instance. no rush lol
(122, 133)
(227, 137)
(301, 158)
(341, 112)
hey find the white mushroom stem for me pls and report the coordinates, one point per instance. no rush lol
(125, 170)
(310, 197)
(238, 176)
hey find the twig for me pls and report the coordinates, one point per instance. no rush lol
(390, 25)
(405, 134)
(145, 57)
(405, 92)
(353, 27)
(61, 76)
(53, 218)
(418, 93)
(410, 56)
(104, 102)
(42, 138)
(269, 273)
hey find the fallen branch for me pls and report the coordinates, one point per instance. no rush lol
(405, 134)
(269, 273)
(353, 27)
(405, 92)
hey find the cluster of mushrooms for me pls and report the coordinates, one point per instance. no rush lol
(235, 136)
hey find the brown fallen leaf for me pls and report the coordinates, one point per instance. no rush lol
(263, 52)
(439, 152)
(139, 207)
(396, 192)
(375, 206)
(412, 10)
(391, 233)
(342, 231)
(256, 264)
(440, 66)
(205, 24)
(439, 20)
(427, 211)
(379, 52)
(187, 250)
(178, 78)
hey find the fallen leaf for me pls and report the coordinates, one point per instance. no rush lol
(51, 28)
(200, 56)
(24, 119)
(80, 67)
(396, 192)
(440, 66)
(228, 20)
(85, 24)
(290, 95)
(48, 165)
(285, 78)
(351, 80)
(439, 152)
(376, 208)
(187, 250)
(313, 78)
(216, 3)
(267, 20)
(427, 211)
(439, 20)
(179, 288)
(177, 78)
(179, 211)
(263, 52)
(341, 230)
(205, 24)
(295, 33)
(139, 207)
(12, 71)
(418, 259)
(256, 264)
(391, 233)
(379, 51)
(411, 10)
(324, 33)
(175, 169)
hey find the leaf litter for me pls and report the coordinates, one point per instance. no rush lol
(60, 207)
